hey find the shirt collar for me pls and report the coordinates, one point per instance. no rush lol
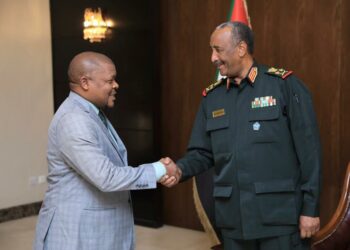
(94, 108)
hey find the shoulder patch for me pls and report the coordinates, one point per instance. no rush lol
(279, 72)
(211, 87)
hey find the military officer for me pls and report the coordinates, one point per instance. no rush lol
(257, 128)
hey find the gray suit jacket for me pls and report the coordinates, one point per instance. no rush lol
(87, 204)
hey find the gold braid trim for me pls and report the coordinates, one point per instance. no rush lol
(208, 228)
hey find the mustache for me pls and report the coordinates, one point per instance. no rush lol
(218, 63)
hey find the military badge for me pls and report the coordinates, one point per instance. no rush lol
(253, 74)
(218, 113)
(211, 87)
(279, 72)
(265, 101)
(256, 126)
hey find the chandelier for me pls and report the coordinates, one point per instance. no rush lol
(95, 27)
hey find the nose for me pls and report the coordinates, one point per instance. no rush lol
(115, 85)
(214, 56)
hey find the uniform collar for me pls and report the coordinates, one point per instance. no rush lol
(250, 78)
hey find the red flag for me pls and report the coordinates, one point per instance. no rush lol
(239, 12)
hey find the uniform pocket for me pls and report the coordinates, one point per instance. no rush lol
(217, 123)
(264, 125)
(223, 192)
(224, 216)
(264, 114)
(218, 129)
(276, 200)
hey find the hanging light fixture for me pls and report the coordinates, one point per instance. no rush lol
(95, 27)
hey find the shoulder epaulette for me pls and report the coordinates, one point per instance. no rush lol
(211, 87)
(279, 72)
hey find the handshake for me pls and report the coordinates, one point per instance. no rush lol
(173, 173)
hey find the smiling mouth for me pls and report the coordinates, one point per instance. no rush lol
(218, 64)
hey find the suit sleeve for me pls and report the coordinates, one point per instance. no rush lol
(305, 133)
(199, 155)
(77, 139)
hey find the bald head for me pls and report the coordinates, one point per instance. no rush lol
(92, 76)
(84, 64)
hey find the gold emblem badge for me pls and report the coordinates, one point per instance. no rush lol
(218, 113)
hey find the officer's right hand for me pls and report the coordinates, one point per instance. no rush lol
(173, 175)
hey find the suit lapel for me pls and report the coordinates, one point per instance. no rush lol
(117, 147)
(85, 106)
(120, 143)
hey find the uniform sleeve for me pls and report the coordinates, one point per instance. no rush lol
(77, 139)
(199, 153)
(306, 139)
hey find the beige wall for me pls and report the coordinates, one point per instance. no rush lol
(26, 99)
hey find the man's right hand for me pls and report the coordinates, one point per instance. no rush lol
(173, 174)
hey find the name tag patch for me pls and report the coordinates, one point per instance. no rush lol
(218, 113)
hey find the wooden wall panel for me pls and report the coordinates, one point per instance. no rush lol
(185, 70)
(309, 37)
(344, 87)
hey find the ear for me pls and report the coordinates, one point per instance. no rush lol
(84, 82)
(242, 49)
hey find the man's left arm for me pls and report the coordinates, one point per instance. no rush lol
(305, 133)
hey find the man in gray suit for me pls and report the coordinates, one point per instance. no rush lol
(87, 204)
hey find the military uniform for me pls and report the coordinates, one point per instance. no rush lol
(262, 138)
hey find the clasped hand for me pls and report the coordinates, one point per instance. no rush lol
(173, 173)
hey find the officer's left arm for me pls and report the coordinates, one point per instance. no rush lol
(304, 129)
